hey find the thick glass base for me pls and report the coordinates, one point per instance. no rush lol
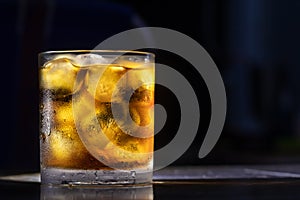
(92, 192)
(94, 177)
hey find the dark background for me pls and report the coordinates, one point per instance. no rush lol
(255, 44)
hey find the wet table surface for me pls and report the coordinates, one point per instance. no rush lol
(181, 182)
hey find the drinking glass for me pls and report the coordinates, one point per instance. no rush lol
(96, 116)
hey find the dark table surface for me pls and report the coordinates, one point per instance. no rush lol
(184, 182)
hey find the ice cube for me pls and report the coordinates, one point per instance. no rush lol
(88, 59)
(102, 81)
(65, 144)
(88, 127)
(64, 140)
(63, 112)
(130, 61)
(143, 96)
(117, 134)
(91, 134)
(108, 124)
(141, 115)
(140, 77)
(123, 159)
(138, 114)
(61, 76)
(67, 151)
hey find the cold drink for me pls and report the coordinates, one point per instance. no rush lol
(96, 117)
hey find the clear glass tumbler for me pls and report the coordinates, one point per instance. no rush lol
(96, 117)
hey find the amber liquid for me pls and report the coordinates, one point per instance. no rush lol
(88, 135)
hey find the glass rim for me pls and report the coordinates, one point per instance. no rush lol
(117, 52)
